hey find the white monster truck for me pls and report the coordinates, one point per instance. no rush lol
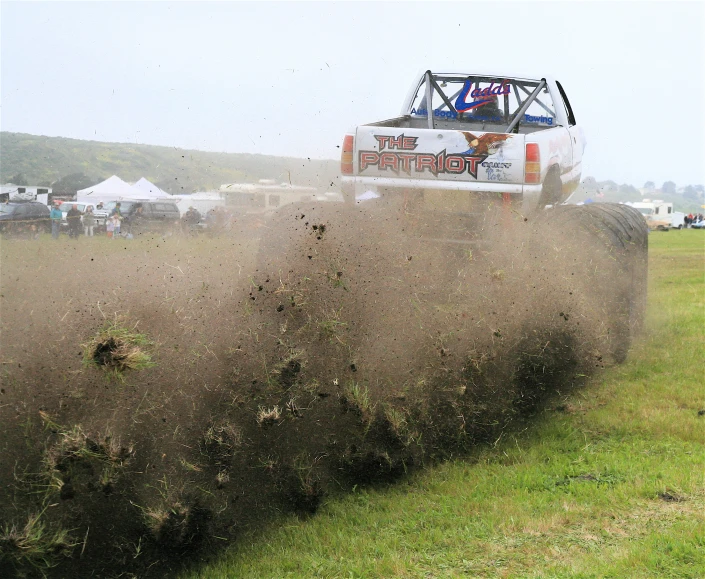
(455, 186)
(468, 137)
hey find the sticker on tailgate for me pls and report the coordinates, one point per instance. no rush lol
(397, 153)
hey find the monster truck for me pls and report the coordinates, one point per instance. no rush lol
(441, 302)
(467, 138)
(447, 214)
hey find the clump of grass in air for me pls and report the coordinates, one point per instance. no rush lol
(305, 490)
(222, 478)
(331, 324)
(356, 398)
(117, 348)
(289, 368)
(177, 523)
(398, 425)
(268, 416)
(73, 447)
(167, 523)
(221, 441)
(34, 544)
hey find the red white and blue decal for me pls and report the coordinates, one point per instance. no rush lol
(482, 96)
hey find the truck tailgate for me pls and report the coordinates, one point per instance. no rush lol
(438, 155)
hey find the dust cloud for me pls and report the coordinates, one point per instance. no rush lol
(327, 347)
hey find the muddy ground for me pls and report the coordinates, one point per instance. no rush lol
(325, 349)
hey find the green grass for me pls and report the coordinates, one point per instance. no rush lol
(611, 484)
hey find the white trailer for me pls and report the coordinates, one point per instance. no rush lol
(267, 195)
(12, 192)
(659, 214)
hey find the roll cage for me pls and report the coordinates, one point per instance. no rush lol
(455, 102)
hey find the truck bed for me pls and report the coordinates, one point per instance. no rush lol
(411, 122)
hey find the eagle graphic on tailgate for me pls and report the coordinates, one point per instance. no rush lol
(484, 145)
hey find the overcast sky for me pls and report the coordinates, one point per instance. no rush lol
(290, 78)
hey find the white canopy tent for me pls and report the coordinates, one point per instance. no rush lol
(112, 189)
(150, 189)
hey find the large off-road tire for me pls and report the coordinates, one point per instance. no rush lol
(614, 241)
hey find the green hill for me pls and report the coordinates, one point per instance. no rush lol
(48, 160)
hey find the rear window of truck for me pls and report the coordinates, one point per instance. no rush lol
(484, 100)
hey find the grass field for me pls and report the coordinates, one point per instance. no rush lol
(607, 483)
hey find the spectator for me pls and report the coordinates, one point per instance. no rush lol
(216, 220)
(88, 221)
(116, 210)
(55, 216)
(116, 216)
(221, 217)
(191, 219)
(136, 222)
(109, 226)
(117, 220)
(73, 218)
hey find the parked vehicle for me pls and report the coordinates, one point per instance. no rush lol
(146, 216)
(100, 216)
(463, 139)
(24, 217)
(659, 214)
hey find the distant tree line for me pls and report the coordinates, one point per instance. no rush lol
(69, 184)
(19, 179)
(669, 187)
(689, 191)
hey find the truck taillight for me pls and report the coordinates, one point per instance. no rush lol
(346, 157)
(532, 164)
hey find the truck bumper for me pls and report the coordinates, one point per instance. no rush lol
(363, 184)
(354, 187)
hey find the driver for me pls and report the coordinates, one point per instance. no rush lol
(489, 111)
